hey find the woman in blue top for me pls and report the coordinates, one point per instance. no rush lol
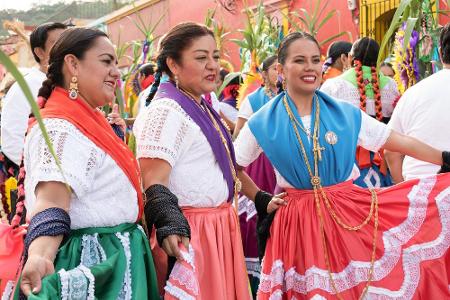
(329, 236)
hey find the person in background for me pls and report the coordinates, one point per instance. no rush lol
(422, 112)
(15, 107)
(228, 105)
(145, 79)
(363, 87)
(387, 70)
(337, 60)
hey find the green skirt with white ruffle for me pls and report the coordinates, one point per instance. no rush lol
(102, 263)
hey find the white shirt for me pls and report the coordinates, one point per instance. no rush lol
(228, 111)
(102, 193)
(372, 136)
(340, 88)
(423, 113)
(15, 113)
(165, 131)
(246, 110)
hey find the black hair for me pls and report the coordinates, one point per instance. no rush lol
(75, 41)
(223, 73)
(288, 40)
(366, 51)
(39, 36)
(171, 45)
(334, 52)
(444, 43)
(268, 62)
(147, 69)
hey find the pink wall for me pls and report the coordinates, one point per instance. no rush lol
(181, 10)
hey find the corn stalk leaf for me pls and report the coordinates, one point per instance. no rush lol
(410, 24)
(396, 20)
(9, 65)
(335, 37)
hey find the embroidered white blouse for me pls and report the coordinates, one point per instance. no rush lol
(372, 136)
(165, 131)
(340, 88)
(102, 194)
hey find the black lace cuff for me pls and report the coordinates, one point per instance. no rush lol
(162, 210)
(52, 221)
(445, 162)
(262, 200)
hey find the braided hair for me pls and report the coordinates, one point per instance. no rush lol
(172, 45)
(75, 41)
(365, 53)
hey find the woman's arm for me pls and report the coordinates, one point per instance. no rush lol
(42, 250)
(239, 124)
(157, 171)
(395, 163)
(412, 147)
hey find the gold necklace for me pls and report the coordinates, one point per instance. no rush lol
(317, 186)
(237, 182)
(268, 91)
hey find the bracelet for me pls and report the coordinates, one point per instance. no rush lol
(262, 200)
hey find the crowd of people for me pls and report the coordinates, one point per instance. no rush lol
(323, 183)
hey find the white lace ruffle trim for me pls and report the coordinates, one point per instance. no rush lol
(393, 239)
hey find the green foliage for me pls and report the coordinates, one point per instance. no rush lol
(304, 20)
(9, 65)
(260, 36)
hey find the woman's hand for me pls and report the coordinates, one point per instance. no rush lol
(114, 118)
(276, 202)
(35, 269)
(170, 245)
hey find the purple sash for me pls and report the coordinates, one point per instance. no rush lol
(201, 118)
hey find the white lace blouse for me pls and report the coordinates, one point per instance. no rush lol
(165, 131)
(102, 193)
(372, 136)
(340, 88)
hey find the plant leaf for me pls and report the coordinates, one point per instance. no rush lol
(9, 65)
(410, 23)
(404, 4)
(334, 37)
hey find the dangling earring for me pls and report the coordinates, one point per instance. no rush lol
(176, 81)
(73, 89)
(283, 84)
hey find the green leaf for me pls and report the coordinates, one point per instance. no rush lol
(120, 101)
(404, 4)
(334, 37)
(9, 65)
(325, 20)
(410, 23)
(240, 43)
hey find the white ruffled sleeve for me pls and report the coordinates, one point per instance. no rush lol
(373, 134)
(163, 131)
(78, 157)
(246, 147)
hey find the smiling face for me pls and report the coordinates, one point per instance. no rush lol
(198, 67)
(302, 68)
(97, 73)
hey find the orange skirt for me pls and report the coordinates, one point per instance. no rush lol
(411, 261)
(219, 257)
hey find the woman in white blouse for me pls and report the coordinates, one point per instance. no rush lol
(330, 237)
(188, 169)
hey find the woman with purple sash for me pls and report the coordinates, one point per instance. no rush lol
(261, 170)
(189, 171)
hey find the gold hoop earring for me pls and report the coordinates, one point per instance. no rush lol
(73, 89)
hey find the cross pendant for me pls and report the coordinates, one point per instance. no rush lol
(317, 148)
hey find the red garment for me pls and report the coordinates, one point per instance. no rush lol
(93, 124)
(147, 81)
(412, 259)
